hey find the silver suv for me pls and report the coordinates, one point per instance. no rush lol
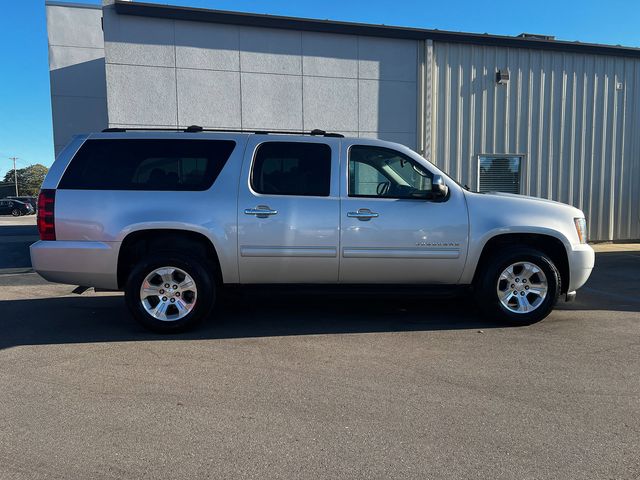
(173, 217)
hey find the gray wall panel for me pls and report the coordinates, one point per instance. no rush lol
(330, 55)
(387, 106)
(151, 99)
(573, 116)
(76, 72)
(72, 26)
(271, 101)
(207, 46)
(139, 40)
(208, 98)
(81, 115)
(387, 59)
(265, 50)
(331, 103)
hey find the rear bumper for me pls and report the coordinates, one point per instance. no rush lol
(581, 262)
(90, 264)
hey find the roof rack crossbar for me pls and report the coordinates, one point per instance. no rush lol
(198, 128)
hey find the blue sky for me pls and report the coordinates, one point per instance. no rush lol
(25, 110)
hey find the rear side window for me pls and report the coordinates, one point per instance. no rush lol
(292, 168)
(146, 164)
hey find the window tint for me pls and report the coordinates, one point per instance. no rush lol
(292, 168)
(382, 172)
(499, 173)
(146, 164)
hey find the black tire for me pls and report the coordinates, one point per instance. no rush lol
(199, 270)
(15, 212)
(487, 284)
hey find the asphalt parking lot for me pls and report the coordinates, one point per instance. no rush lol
(318, 387)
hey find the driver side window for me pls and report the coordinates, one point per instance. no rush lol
(385, 173)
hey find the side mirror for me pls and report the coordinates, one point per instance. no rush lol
(438, 187)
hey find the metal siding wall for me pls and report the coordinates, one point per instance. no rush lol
(578, 132)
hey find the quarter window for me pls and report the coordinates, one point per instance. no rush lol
(146, 164)
(292, 168)
(382, 172)
(499, 173)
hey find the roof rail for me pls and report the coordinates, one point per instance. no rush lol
(197, 128)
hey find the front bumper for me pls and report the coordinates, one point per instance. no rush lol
(90, 264)
(581, 261)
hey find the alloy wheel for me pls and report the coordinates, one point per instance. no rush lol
(168, 293)
(522, 287)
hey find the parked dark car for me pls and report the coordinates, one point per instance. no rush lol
(33, 201)
(15, 207)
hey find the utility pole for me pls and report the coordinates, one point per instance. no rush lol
(15, 174)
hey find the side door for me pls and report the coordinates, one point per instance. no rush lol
(288, 210)
(393, 229)
(4, 207)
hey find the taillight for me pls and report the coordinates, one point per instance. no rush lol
(46, 223)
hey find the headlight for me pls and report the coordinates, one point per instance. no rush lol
(581, 228)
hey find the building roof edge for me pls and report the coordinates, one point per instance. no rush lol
(126, 7)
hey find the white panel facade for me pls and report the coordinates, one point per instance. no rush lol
(258, 78)
(76, 71)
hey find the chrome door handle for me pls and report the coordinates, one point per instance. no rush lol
(363, 214)
(261, 211)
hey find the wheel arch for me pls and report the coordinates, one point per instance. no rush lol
(548, 244)
(140, 242)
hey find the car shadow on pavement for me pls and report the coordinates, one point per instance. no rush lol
(83, 319)
(104, 318)
(14, 246)
(613, 285)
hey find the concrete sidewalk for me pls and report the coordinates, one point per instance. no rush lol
(616, 247)
(24, 220)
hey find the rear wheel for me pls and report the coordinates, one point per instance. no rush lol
(169, 292)
(520, 285)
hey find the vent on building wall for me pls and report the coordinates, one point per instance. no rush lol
(502, 77)
(499, 173)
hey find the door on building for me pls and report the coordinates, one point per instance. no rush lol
(391, 229)
(288, 211)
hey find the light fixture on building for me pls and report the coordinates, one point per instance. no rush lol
(502, 77)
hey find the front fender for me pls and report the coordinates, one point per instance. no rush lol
(477, 245)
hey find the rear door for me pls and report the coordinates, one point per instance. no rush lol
(288, 210)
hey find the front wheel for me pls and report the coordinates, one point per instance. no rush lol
(15, 212)
(520, 286)
(170, 292)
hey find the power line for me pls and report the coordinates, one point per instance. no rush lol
(15, 173)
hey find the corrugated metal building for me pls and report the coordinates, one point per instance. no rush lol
(526, 114)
